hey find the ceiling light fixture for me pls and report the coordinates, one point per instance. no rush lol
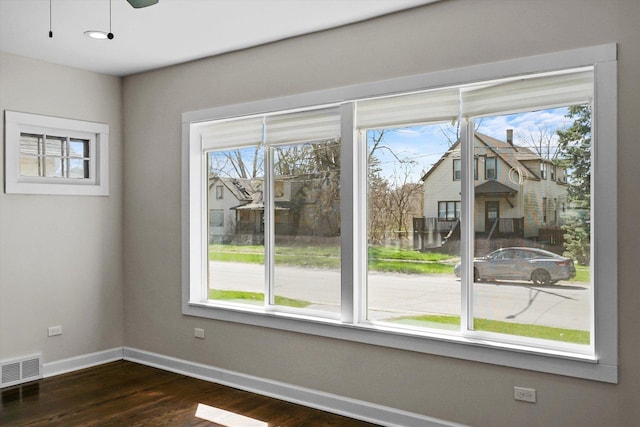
(98, 34)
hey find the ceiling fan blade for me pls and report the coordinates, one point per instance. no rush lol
(142, 3)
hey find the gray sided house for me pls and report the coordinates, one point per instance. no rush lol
(233, 208)
(303, 206)
(518, 194)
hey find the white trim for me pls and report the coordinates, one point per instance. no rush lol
(350, 311)
(353, 408)
(605, 213)
(81, 362)
(98, 135)
(467, 232)
(332, 403)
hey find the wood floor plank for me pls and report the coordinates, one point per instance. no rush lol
(129, 394)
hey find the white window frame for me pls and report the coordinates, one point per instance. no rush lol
(97, 184)
(600, 364)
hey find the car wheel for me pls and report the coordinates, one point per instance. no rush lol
(541, 277)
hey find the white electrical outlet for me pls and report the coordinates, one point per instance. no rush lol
(524, 394)
(198, 333)
(54, 330)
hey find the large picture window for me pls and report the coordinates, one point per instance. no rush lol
(283, 172)
(345, 220)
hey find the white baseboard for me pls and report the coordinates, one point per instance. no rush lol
(352, 408)
(80, 362)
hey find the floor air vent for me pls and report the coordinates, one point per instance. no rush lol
(20, 371)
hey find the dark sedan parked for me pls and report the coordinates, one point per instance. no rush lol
(537, 265)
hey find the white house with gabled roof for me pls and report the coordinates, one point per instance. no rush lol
(517, 192)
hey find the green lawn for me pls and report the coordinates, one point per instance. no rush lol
(380, 258)
(382, 252)
(410, 267)
(583, 274)
(520, 329)
(254, 297)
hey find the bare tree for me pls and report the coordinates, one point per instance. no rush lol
(452, 133)
(393, 199)
(405, 199)
(379, 207)
(233, 163)
(542, 140)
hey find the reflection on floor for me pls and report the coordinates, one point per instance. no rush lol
(129, 394)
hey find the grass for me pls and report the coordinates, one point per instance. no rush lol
(254, 297)
(394, 260)
(252, 258)
(307, 256)
(574, 336)
(382, 252)
(380, 258)
(410, 267)
(583, 274)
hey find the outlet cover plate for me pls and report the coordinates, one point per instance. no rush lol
(52, 331)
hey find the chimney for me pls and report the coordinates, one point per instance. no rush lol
(510, 136)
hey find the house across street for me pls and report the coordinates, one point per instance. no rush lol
(519, 196)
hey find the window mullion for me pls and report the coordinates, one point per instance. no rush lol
(269, 228)
(65, 163)
(466, 224)
(351, 208)
(43, 155)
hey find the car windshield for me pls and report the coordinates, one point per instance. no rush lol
(540, 253)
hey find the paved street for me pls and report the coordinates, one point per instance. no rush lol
(392, 295)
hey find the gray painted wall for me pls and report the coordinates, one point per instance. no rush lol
(39, 234)
(436, 37)
(61, 256)
(441, 36)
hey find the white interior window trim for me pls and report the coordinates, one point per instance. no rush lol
(601, 365)
(97, 161)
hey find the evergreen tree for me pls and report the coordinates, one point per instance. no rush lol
(574, 148)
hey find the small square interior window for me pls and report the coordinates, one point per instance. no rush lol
(50, 155)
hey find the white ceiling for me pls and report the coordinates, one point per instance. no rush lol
(170, 32)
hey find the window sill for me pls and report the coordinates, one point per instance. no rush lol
(479, 348)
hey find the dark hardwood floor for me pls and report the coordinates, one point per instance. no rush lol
(129, 394)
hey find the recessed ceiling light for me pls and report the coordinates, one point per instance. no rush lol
(98, 35)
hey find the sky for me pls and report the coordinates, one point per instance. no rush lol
(425, 144)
